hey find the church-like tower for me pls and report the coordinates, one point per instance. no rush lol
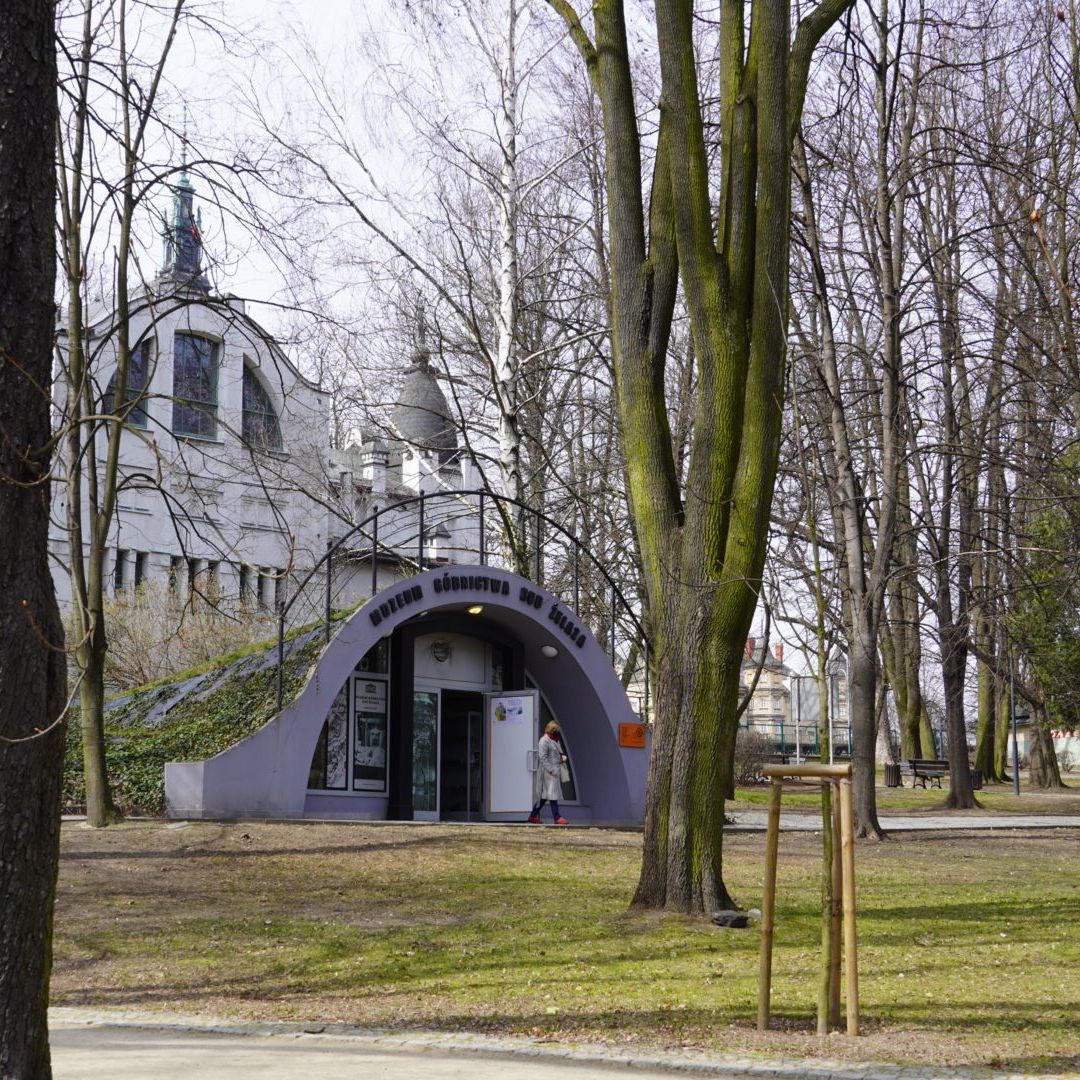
(182, 263)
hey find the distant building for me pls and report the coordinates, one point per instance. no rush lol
(419, 455)
(785, 706)
(769, 710)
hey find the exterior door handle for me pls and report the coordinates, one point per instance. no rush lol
(532, 760)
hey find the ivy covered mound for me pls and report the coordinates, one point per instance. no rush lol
(190, 717)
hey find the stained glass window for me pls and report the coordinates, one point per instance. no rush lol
(195, 364)
(260, 428)
(137, 378)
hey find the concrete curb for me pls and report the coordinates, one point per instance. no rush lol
(535, 1049)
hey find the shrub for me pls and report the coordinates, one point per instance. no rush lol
(154, 633)
(752, 751)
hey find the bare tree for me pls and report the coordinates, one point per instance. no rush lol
(856, 340)
(101, 65)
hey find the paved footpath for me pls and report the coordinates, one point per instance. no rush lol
(119, 1045)
(796, 821)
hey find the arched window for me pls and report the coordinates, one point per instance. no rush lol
(137, 378)
(195, 386)
(260, 428)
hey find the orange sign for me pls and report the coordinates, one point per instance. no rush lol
(632, 735)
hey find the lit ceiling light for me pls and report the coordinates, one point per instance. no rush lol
(476, 609)
(549, 651)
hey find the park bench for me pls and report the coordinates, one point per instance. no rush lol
(927, 769)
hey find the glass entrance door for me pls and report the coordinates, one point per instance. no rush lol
(461, 755)
(425, 756)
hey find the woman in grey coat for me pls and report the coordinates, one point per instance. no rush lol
(552, 762)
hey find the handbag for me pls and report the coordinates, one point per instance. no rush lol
(564, 773)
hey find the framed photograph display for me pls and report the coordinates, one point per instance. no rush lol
(370, 733)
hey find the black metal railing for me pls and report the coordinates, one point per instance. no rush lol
(525, 556)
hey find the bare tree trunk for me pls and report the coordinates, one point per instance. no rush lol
(954, 645)
(864, 585)
(1002, 730)
(986, 733)
(32, 674)
(862, 702)
(506, 204)
(884, 749)
(901, 641)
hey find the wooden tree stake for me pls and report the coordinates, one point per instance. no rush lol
(837, 900)
(851, 965)
(768, 905)
(843, 886)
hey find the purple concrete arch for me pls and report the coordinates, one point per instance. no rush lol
(266, 774)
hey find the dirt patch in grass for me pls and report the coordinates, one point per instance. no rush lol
(968, 947)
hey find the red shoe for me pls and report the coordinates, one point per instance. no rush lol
(534, 819)
(561, 821)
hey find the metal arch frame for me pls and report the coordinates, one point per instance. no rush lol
(483, 494)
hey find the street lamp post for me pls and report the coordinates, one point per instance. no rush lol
(1015, 716)
(798, 719)
(834, 701)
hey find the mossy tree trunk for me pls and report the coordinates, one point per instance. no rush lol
(703, 541)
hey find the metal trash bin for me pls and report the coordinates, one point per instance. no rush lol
(976, 779)
(892, 776)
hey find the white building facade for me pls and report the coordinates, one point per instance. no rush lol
(785, 707)
(228, 487)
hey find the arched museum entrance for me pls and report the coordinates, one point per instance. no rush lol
(427, 705)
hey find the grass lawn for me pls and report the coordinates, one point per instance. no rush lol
(969, 945)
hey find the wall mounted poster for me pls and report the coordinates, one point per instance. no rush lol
(369, 746)
(511, 710)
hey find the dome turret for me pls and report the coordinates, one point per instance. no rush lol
(421, 416)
